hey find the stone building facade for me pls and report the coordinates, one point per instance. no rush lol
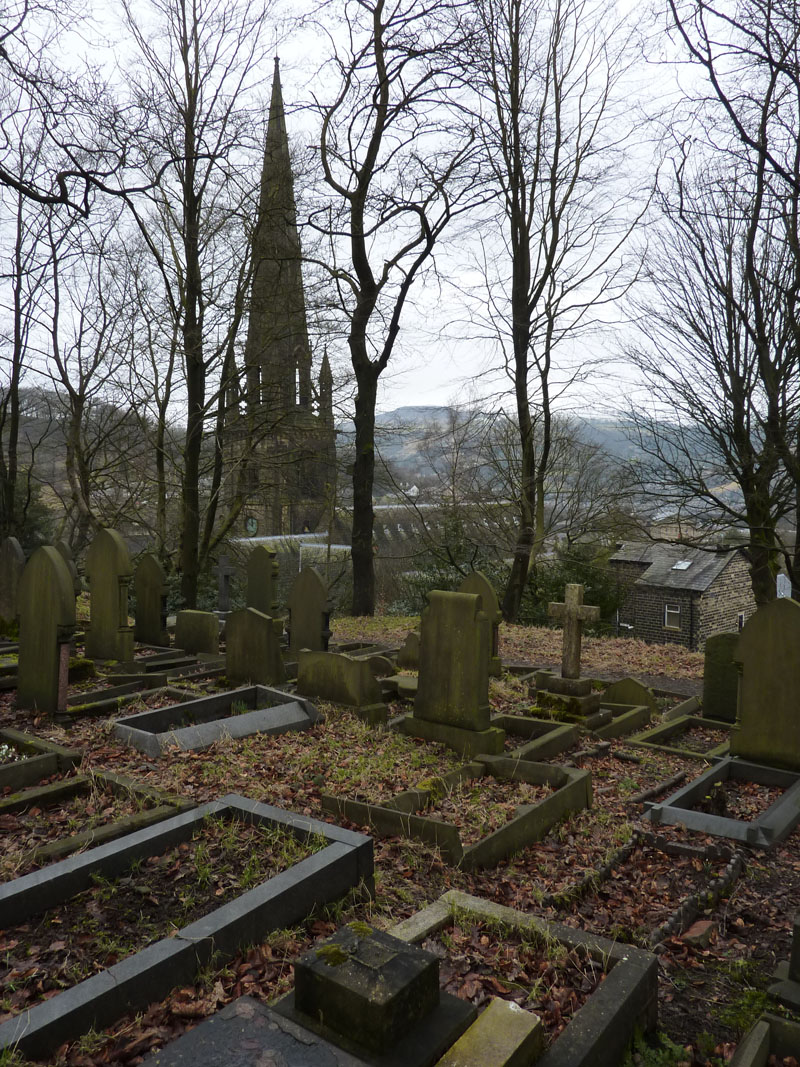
(671, 594)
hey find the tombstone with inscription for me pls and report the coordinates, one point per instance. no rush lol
(309, 613)
(478, 583)
(252, 649)
(262, 580)
(46, 625)
(12, 564)
(569, 689)
(197, 631)
(767, 728)
(150, 624)
(720, 677)
(109, 568)
(452, 702)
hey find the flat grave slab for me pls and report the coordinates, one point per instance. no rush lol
(570, 791)
(622, 1004)
(344, 862)
(40, 759)
(196, 724)
(769, 827)
(675, 737)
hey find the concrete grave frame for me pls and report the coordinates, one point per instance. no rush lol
(165, 805)
(346, 862)
(625, 718)
(109, 701)
(659, 736)
(769, 1036)
(601, 1031)
(546, 738)
(46, 758)
(772, 826)
(532, 822)
(196, 724)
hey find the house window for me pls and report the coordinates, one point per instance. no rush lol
(672, 616)
(740, 620)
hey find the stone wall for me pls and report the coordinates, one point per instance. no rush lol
(627, 572)
(649, 615)
(720, 605)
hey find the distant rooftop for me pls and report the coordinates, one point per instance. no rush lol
(675, 566)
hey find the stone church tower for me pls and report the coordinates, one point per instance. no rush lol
(290, 415)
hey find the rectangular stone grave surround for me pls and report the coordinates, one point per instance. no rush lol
(772, 826)
(108, 702)
(532, 822)
(624, 1004)
(545, 738)
(198, 668)
(770, 1036)
(160, 661)
(196, 724)
(786, 989)
(346, 862)
(666, 738)
(44, 796)
(43, 759)
(625, 718)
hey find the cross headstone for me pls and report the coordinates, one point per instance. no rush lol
(46, 626)
(12, 564)
(252, 649)
(262, 580)
(309, 613)
(150, 625)
(767, 726)
(224, 571)
(573, 613)
(109, 568)
(478, 583)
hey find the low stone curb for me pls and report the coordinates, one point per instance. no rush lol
(690, 907)
(658, 736)
(770, 1036)
(46, 759)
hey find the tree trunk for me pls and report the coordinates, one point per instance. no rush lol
(363, 479)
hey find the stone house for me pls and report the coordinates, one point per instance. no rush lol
(671, 594)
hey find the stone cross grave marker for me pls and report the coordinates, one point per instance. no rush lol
(12, 564)
(46, 625)
(573, 613)
(224, 572)
(478, 583)
(309, 613)
(150, 625)
(767, 728)
(252, 649)
(109, 568)
(262, 580)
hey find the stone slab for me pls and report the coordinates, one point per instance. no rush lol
(466, 742)
(504, 1035)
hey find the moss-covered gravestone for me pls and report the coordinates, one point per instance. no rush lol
(478, 583)
(309, 613)
(46, 625)
(630, 691)
(720, 678)
(452, 702)
(66, 554)
(12, 564)
(197, 631)
(252, 649)
(109, 568)
(767, 728)
(408, 653)
(262, 580)
(150, 626)
(342, 679)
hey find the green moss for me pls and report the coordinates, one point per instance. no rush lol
(361, 929)
(333, 955)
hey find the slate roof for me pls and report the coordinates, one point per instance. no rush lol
(704, 565)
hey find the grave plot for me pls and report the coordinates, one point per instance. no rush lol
(41, 824)
(535, 739)
(738, 800)
(196, 724)
(25, 759)
(688, 735)
(592, 994)
(141, 694)
(330, 862)
(504, 820)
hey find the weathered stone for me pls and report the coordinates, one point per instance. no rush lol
(109, 568)
(66, 552)
(700, 933)
(767, 728)
(12, 564)
(408, 655)
(479, 584)
(150, 624)
(46, 625)
(252, 649)
(262, 580)
(197, 631)
(309, 613)
(630, 691)
(504, 1035)
(224, 572)
(573, 613)
(720, 677)
(338, 678)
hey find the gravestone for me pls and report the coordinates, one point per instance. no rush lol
(720, 678)
(408, 653)
(46, 625)
(767, 728)
(339, 678)
(309, 613)
(252, 649)
(109, 568)
(452, 702)
(12, 564)
(630, 691)
(224, 572)
(478, 583)
(150, 624)
(569, 690)
(66, 553)
(262, 580)
(197, 631)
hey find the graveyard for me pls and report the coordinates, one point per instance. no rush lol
(230, 834)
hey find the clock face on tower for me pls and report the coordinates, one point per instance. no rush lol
(251, 525)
